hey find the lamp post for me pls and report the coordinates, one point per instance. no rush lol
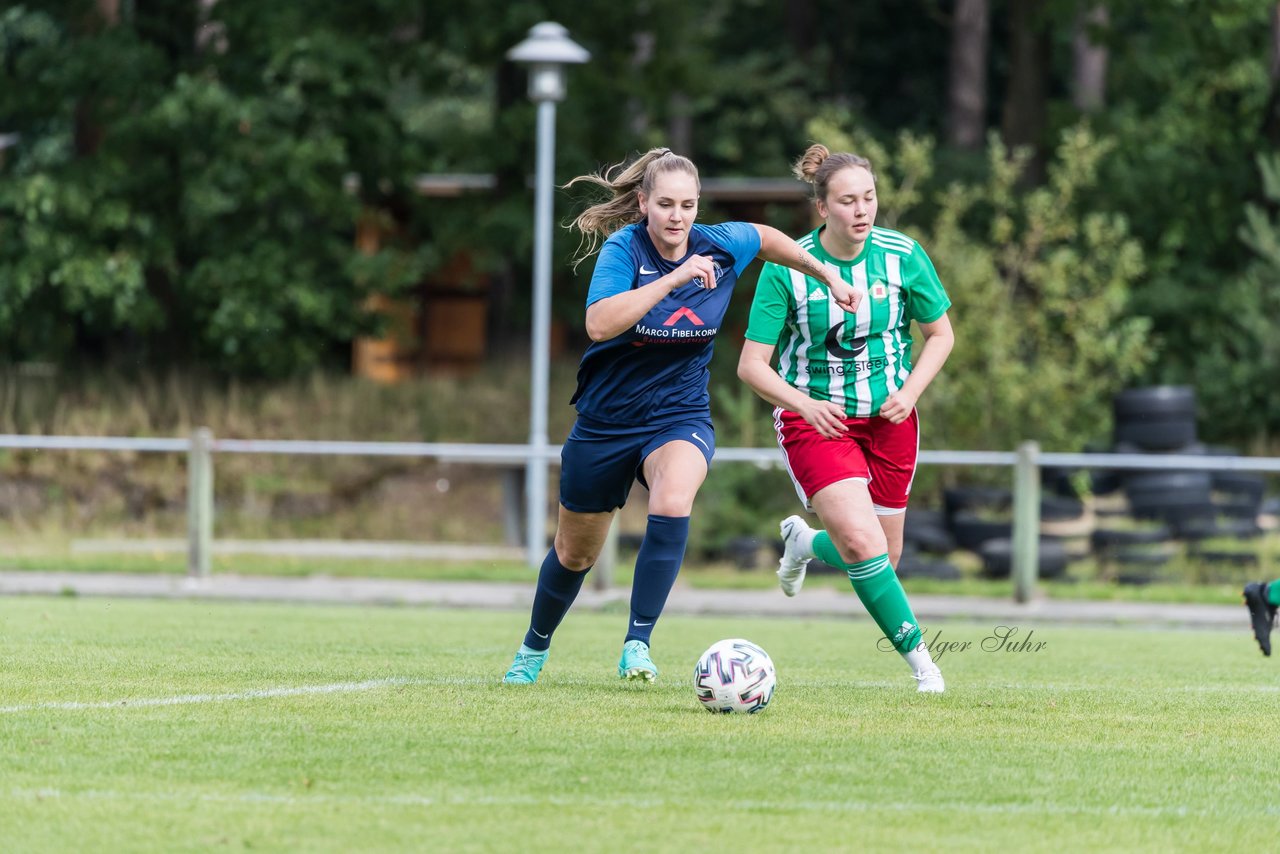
(546, 51)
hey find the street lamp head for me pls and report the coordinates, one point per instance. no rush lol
(546, 51)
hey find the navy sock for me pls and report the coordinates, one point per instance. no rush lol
(557, 588)
(656, 567)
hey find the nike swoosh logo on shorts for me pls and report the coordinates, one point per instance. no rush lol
(699, 438)
(645, 272)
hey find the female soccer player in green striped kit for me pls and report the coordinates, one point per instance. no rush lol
(845, 390)
(1262, 600)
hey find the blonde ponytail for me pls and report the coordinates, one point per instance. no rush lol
(624, 182)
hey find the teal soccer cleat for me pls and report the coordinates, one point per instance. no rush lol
(525, 669)
(636, 663)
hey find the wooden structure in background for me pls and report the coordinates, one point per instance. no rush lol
(444, 326)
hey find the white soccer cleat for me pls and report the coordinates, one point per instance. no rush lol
(929, 680)
(795, 557)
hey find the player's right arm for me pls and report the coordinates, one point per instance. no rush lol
(770, 309)
(755, 370)
(613, 306)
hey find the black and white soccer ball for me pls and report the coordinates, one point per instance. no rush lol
(734, 676)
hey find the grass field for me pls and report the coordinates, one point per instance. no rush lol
(167, 726)
(25, 557)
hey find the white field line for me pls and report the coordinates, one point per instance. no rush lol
(792, 805)
(972, 690)
(187, 699)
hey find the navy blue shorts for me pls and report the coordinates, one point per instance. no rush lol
(599, 462)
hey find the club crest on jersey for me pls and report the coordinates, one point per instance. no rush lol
(718, 271)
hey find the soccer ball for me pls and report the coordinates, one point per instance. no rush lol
(734, 675)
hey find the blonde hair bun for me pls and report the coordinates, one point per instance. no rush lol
(807, 166)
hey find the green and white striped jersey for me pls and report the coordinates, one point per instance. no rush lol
(826, 352)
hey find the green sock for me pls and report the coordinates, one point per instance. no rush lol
(826, 550)
(1273, 592)
(881, 592)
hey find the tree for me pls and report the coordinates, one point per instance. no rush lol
(1256, 299)
(190, 207)
(1089, 59)
(967, 87)
(1187, 129)
(1024, 119)
(1271, 115)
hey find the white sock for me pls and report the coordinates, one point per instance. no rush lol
(918, 658)
(804, 539)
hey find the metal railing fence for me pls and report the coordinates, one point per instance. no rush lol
(1026, 462)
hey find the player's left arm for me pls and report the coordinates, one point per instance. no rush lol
(938, 341)
(780, 249)
(929, 303)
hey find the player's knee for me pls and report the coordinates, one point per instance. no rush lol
(670, 506)
(861, 542)
(667, 498)
(573, 556)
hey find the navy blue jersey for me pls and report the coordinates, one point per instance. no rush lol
(657, 371)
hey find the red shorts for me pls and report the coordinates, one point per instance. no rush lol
(876, 451)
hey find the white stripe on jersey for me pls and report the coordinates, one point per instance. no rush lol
(785, 360)
(862, 382)
(891, 338)
(859, 275)
(799, 288)
(800, 361)
(892, 240)
(893, 272)
(835, 383)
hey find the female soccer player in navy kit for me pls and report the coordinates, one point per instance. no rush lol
(846, 391)
(656, 301)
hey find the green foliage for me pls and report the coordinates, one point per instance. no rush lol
(1186, 132)
(1039, 281)
(1255, 299)
(191, 205)
(184, 200)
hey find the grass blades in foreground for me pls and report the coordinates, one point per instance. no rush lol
(166, 726)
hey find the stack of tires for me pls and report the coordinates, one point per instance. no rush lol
(1221, 542)
(1153, 420)
(1194, 506)
(976, 514)
(1157, 418)
(1162, 420)
(980, 521)
(925, 545)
